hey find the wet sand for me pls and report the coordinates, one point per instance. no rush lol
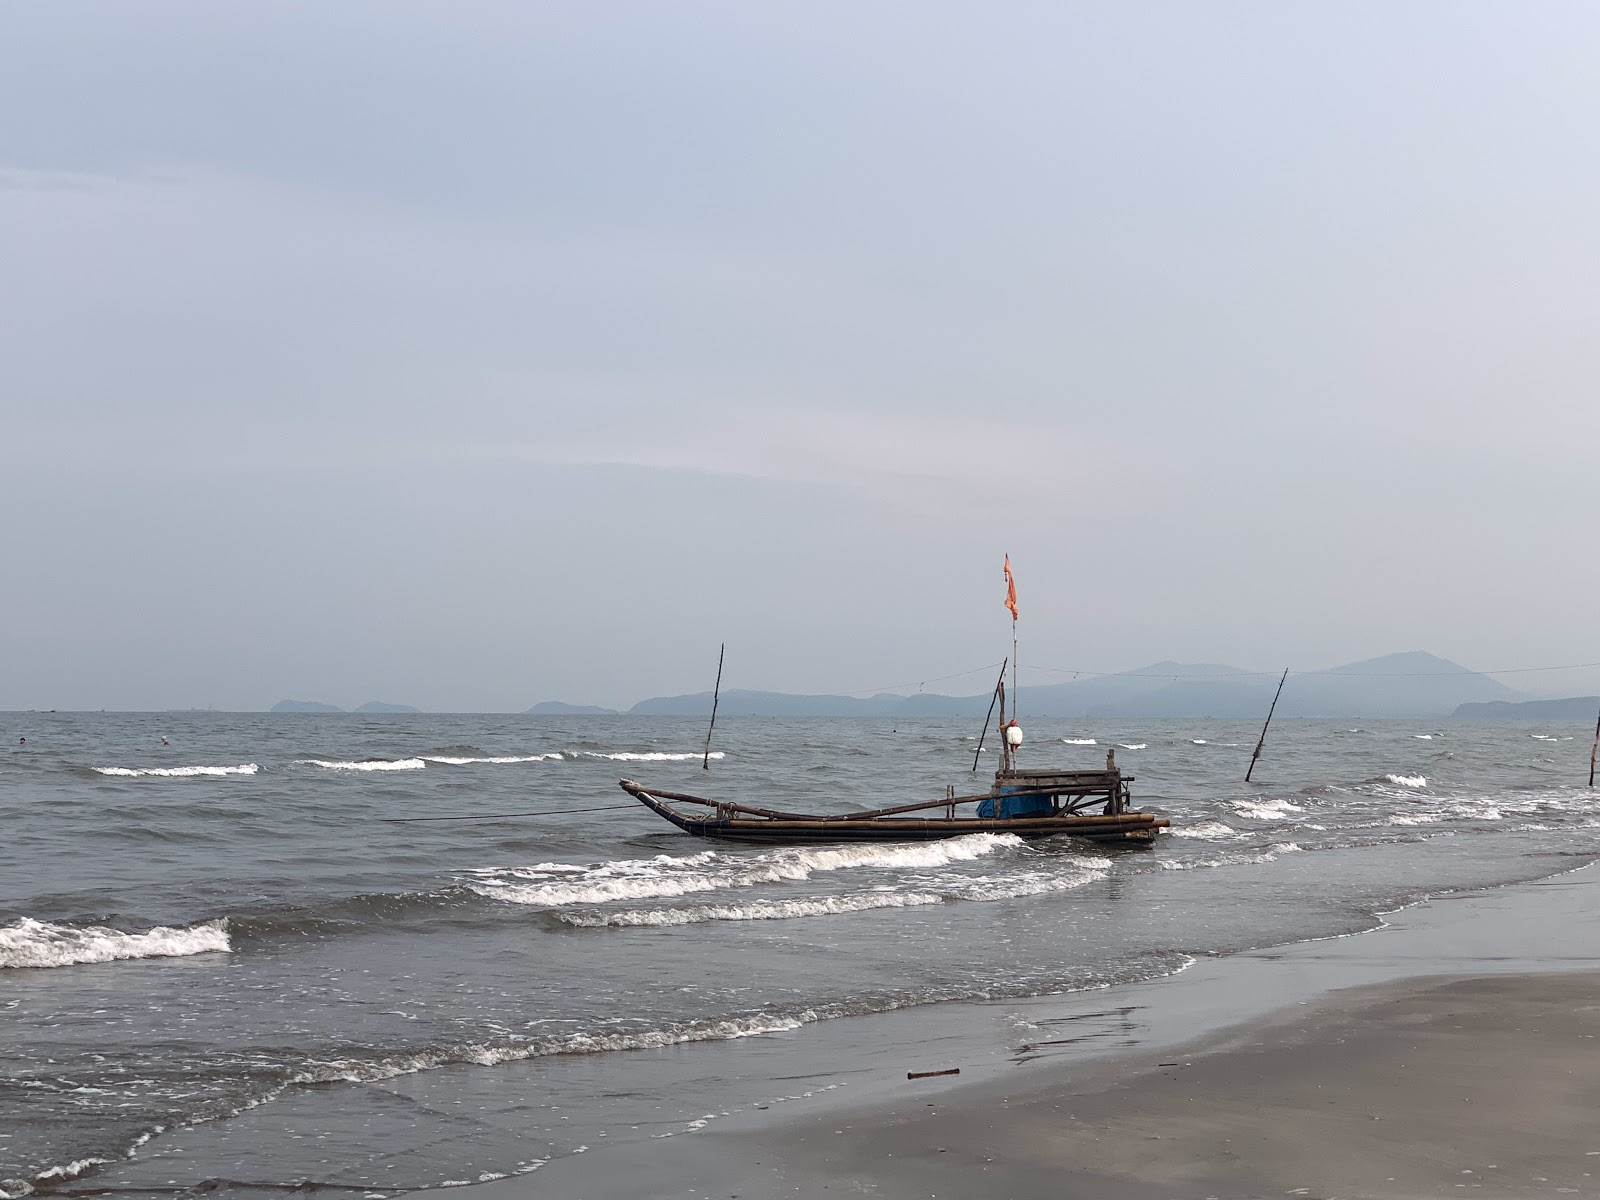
(1455, 1051)
(1484, 1086)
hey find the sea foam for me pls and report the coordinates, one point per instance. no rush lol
(179, 772)
(369, 764)
(709, 871)
(30, 943)
(1409, 781)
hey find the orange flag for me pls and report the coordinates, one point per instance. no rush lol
(1011, 590)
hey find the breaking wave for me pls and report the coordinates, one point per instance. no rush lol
(1015, 887)
(487, 1054)
(756, 910)
(559, 884)
(178, 772)
(420, 762)
(30, 943)
(366, 764)
(1264, 810)
(451, 760)
(653, 756)
(1080, 741)
(1410, 781)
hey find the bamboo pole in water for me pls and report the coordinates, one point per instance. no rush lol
(716, 692)
(993, 696)
(1262, 741)
(1593, 748)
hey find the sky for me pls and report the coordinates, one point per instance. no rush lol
(473, 354)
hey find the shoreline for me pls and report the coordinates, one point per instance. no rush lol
(1253, 1027)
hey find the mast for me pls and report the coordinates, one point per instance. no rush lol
(1010, 735)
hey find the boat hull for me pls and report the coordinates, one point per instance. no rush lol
(1135, 828)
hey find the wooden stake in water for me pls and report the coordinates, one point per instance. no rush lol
(716, 692)
(993, 696)
(1262, 741)
(1593, 748)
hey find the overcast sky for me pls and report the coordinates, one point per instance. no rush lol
(473, 354)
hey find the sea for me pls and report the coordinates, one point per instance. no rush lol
(241, 953)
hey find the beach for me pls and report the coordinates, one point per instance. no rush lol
(255, 959)
(1455, 1050)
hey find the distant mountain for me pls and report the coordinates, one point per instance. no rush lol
(1415, 684)
(378, 706)
(740, 703)
(560, 708)
(304, 706)
(1573, 708)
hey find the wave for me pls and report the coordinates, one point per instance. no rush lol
(1228, 859)
(30, 943)
(756, 910)
(943, 891)
(1080, 741)
(1208, 831)
(366, 764)
(487, 1054)
(664, 875)
(1132, 745)
(421, 762)
(452, 760)
(1410, 781)
(1264, 810)
(652, 755)
(177, 772)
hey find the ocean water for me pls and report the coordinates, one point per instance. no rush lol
(223, 962)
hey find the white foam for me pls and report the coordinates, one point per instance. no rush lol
(1207, 831)
(1270, 854)
(654, 756)
(179, 772)
(1264, 810)
(1426, 737)
(29, 943)
(665, 876)
(756, 910)
(370, 764)
(490, 1054)
(1412, 819)
(70, 1170)
(1080, 741)
(1410, 781)
(1198, 742)
(499, 759)
(1132, 745)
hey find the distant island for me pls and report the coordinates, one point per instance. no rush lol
(318, 706)
(559, 708)
(1573, 708)
(1413, 684)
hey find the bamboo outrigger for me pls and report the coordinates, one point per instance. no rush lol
(1055, 802)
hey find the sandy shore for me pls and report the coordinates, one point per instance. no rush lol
(1482, 1086)
(1454, 1051)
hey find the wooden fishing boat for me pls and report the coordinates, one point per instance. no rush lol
(1030, 804)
